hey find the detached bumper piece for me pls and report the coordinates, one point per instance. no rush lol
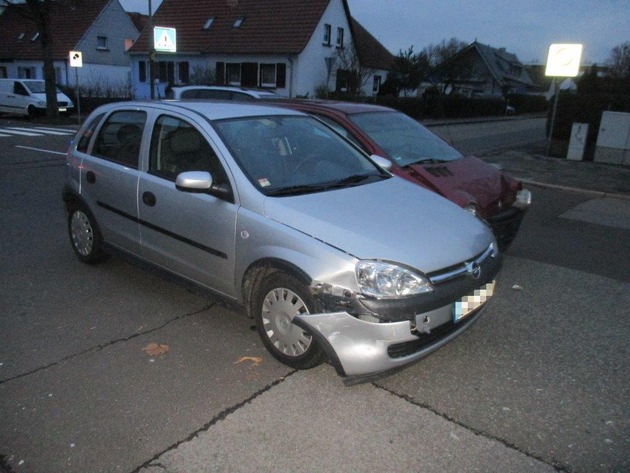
(361, 350)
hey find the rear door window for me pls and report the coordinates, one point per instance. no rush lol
(120, 137)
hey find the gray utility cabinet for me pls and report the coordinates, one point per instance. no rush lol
(613, 139)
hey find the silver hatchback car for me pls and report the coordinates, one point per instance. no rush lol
(334, 257)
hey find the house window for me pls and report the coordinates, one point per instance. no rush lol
(233, 73)
(166, 71)
(101, 43)
(26, 72)
(340, 37)
(3, 72)
(238, 22)
(376, 86)
(267, 75)
(21, 36)
(142, 71)
(35, 37)
(183, 69)
(327, 35)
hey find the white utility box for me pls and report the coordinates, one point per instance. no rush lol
(613, 139)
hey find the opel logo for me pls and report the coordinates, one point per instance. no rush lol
(474, 270)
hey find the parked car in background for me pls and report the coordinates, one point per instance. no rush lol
(218, 92)
(28, 97)
(333, 256)
(422, 157)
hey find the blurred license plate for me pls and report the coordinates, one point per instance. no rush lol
(472, 302)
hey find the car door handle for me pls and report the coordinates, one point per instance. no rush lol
(149, 199)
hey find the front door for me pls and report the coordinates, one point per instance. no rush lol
(190, 234)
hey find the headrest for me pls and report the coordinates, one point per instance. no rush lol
(185, 140)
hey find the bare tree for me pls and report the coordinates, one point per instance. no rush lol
(356, 74)
(619, 61)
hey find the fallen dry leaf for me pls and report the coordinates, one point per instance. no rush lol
(254, 359)
(154, 349)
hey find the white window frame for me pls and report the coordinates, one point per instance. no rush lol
(340, 34)
(327, 34)
(268, 66)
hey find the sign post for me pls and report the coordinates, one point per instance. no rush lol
(76, 61)
(563, 61)
(164, 41)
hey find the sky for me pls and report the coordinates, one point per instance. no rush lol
(525, 28)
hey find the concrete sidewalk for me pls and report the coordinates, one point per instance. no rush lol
(534, 168)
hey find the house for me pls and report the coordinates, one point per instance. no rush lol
(293, 48)
(479, 70)
(100, 29)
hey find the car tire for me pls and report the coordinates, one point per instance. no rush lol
(277, 299)
(85, 235)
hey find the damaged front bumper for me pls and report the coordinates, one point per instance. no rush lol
(360, 349)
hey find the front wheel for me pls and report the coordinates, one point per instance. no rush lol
(85, 236)
(277, 300)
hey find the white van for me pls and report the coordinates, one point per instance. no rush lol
(28, 97)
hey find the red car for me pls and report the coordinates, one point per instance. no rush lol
(423, 158)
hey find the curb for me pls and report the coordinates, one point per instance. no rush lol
(597, 194)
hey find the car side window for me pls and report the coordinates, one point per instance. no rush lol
(86, 134)
(177, 146)
(19, 89)
(120, 137)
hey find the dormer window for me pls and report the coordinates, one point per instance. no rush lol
(239, 22)
(35, 37)
(21, 36)
(208, 23)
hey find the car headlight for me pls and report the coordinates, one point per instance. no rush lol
(471, 207)
(386, 280)
(523, 199)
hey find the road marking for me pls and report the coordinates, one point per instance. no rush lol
(17, 132)
(42, 150)
(46, 131)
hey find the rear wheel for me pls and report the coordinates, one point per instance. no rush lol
(85, 236)
(277, 300)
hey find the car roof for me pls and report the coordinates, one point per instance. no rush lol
(253, 92)
(343, 107)
(217, 110)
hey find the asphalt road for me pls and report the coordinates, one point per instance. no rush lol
(538, 384)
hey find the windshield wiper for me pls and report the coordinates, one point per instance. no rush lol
(297, 190)
(425, 161)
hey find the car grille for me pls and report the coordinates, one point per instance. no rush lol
(400, 350)
(463, 268)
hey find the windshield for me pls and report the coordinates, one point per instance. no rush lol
(37, 86)
(290, 155)
(404, 139)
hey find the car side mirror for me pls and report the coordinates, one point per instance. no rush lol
(194, 181)
(202, 182)
(382, 162)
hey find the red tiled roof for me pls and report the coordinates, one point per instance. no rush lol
(269, 26)
(370, 51)
(68, 25)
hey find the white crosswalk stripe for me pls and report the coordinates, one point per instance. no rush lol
(35, 131)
